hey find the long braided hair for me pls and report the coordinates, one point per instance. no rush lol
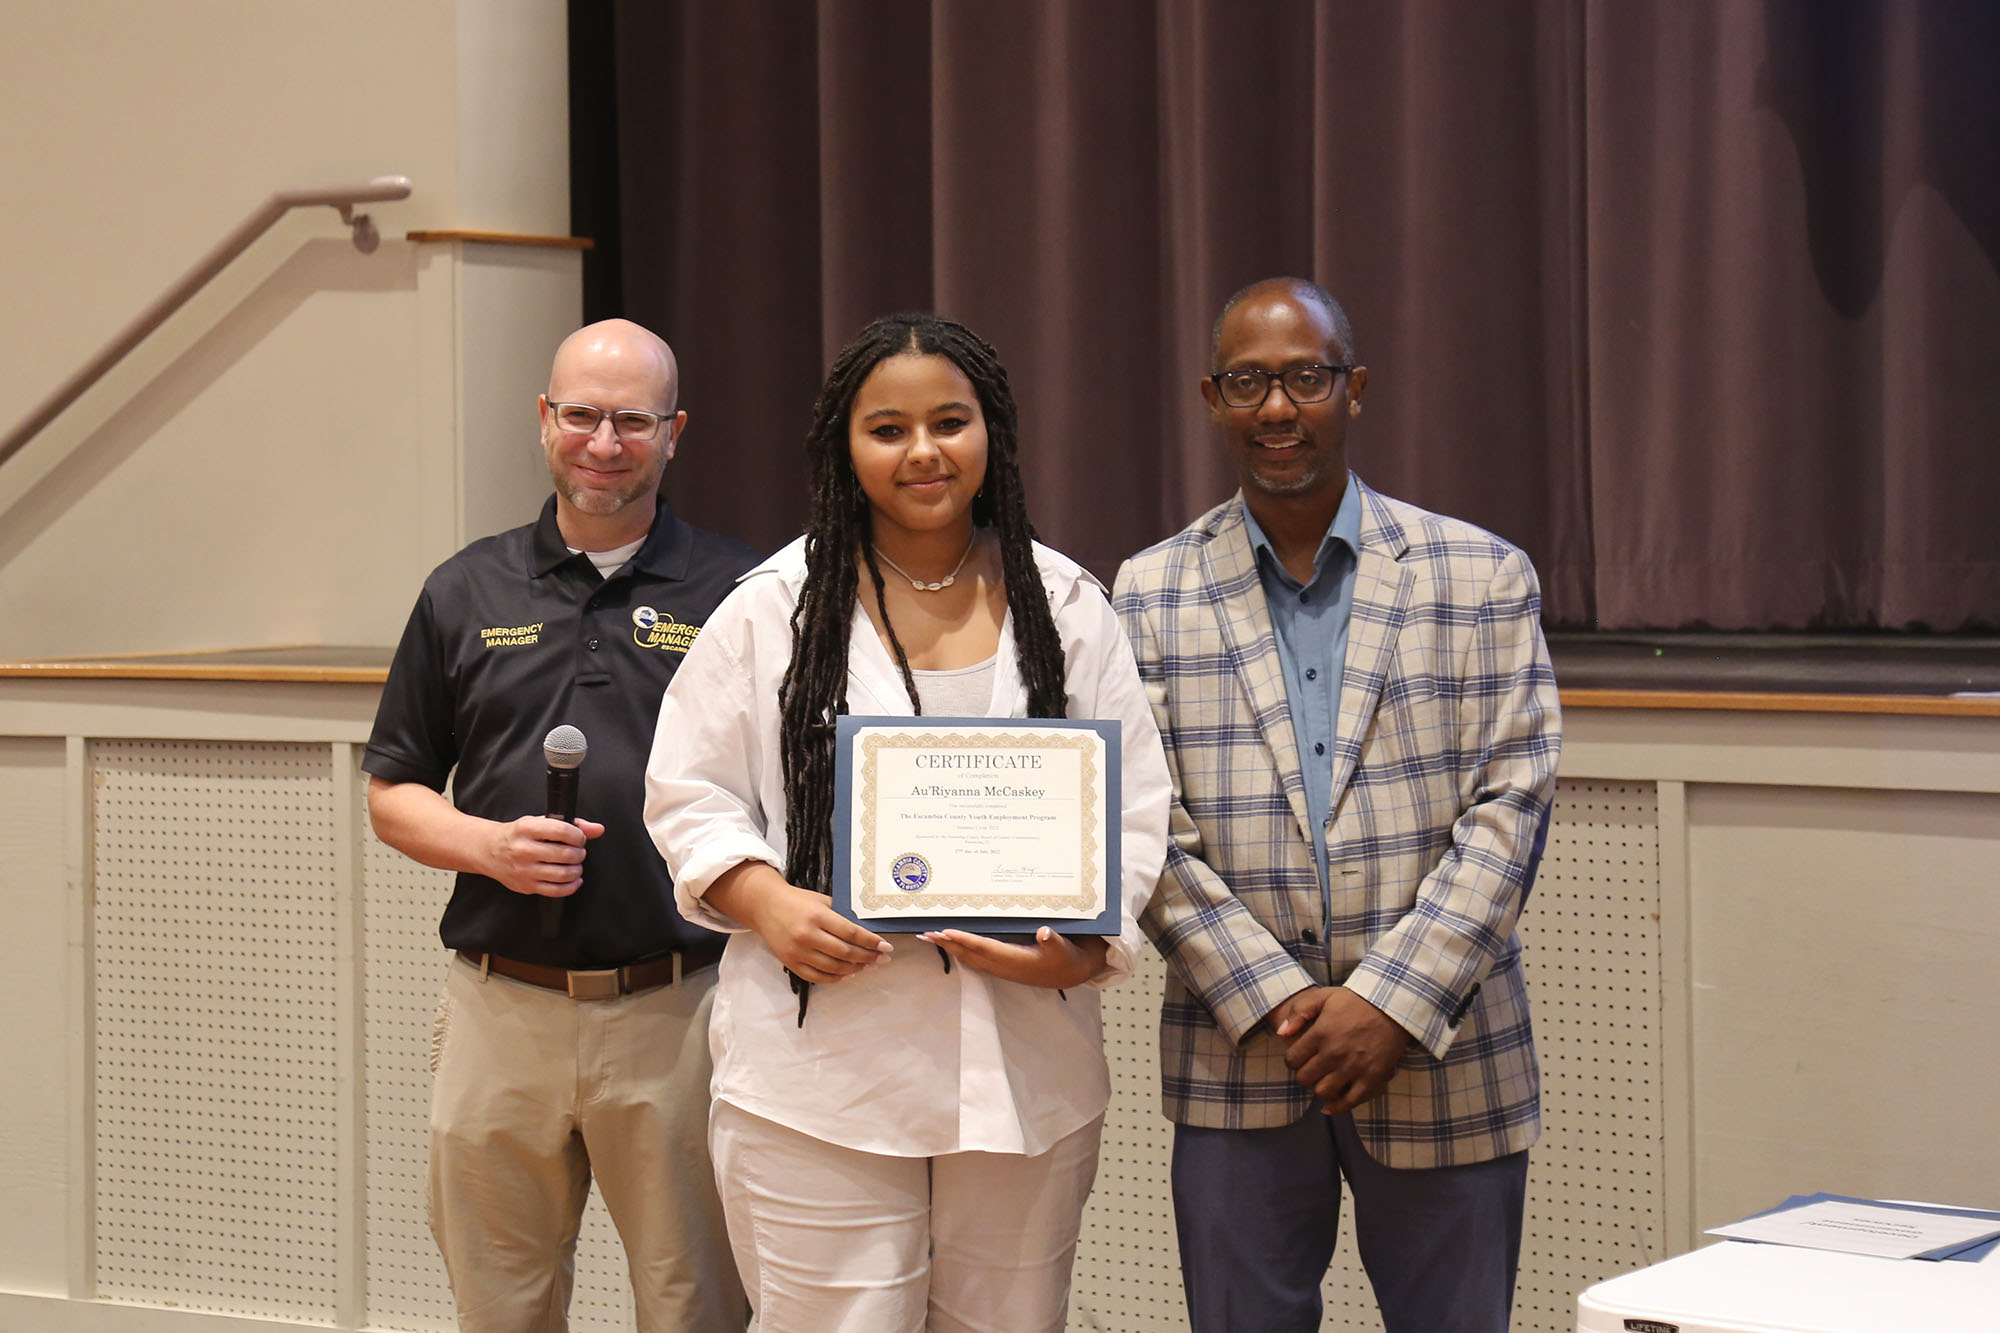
(814, 691)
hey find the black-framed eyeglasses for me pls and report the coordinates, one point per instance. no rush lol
(1302, 384)
(626, 423)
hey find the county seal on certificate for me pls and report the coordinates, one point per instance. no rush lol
(994, 826)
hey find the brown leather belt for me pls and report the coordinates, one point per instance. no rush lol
(606, 983)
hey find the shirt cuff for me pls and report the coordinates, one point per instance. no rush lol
(698, 872)
(1121, 960)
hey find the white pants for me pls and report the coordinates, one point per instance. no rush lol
(831, 1239)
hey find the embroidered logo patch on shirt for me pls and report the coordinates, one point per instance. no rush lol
(511, 636)
(657, 629)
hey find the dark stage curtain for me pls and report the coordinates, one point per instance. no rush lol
(1698, 302)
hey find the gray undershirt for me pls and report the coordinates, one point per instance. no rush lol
(959, 692)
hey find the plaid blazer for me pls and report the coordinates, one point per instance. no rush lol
(1445, 765)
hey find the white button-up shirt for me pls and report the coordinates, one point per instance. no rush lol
(904, 1059)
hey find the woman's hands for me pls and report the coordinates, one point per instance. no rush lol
(820, 945)
(1053, 961)
(801, 927)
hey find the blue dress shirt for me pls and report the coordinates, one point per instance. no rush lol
(1311, 624)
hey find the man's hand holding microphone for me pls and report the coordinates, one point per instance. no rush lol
(542, 855)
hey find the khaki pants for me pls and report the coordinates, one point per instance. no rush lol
(533, 1092)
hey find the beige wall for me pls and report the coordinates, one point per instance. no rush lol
(36, 1111)
(284, 460)
(1843, 945)
(1831, 910)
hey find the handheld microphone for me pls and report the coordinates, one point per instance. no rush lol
(563, 749)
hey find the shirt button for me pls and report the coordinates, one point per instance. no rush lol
(1305, 597)
(1309, 936)
(593, 645)
(1312, 673)
(1319, 747)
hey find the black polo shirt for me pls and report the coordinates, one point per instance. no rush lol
(512, 637)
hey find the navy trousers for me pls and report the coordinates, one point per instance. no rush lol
(1257, 1212)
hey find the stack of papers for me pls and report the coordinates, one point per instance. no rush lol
(1868, 1226)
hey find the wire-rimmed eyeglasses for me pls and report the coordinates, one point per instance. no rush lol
(627, 423)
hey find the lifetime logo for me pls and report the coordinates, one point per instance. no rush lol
(1650, 1326)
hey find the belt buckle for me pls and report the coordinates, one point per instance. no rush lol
(601, 984)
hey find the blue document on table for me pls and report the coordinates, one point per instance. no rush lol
(1970, 1251)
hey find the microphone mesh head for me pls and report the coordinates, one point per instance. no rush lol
(564, 747)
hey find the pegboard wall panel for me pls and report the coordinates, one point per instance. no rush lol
(1595, 1179)
(1128, 1269)
(1596, 1186)
(216, 1037)
(404, 969)
(217, 1053)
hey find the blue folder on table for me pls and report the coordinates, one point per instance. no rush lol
(1970, 1251)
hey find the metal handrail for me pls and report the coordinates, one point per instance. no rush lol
(342, 197)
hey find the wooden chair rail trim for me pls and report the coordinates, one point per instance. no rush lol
(502, 238)
(1683, 700)
(167, 671)
(1751, 701)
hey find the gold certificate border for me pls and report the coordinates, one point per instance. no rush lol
(872, 896)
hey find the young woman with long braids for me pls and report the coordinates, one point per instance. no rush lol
(904, 1134)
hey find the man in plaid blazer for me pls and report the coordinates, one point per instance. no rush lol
(1362, 724)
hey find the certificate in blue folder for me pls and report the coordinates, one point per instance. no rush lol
(993, 826)
(1972, 1250)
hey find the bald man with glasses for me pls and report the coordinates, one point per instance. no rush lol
(572, 1036)
(1361, 722)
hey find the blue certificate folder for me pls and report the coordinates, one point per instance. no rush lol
(1972, 1250)
(1107, 922)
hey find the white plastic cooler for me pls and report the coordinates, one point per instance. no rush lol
(1737, 1287)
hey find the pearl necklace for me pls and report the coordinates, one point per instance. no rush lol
(918, 583)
